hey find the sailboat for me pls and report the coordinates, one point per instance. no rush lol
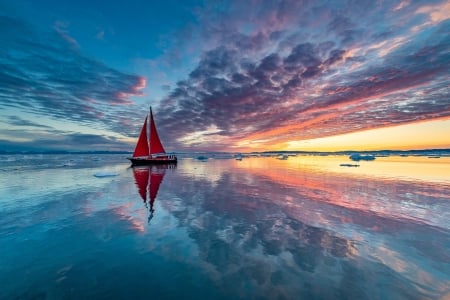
(148, 179)
(149, 149)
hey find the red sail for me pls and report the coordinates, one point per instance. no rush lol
(142, 144)
(155, 142)
(141, 176)
(155, 182)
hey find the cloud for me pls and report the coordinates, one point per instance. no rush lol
(49, 140)
(61, 28)
(436, 13)
(313, 80)
(265, 72)
(15, 120)
(45, 73)
(166, 87)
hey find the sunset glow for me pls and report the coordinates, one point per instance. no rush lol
(286, 75)
(426, 135)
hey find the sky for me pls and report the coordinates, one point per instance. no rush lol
(225, 75)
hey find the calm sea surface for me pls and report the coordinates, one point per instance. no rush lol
(260, 228)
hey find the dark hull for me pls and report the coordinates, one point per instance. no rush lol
(152, 161)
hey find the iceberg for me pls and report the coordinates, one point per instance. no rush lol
(358, 157)
(105, 174)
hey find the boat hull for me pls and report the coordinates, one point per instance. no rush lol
(143, 161)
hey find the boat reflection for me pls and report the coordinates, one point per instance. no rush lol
(148, 179)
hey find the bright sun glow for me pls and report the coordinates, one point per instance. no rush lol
(434, 134)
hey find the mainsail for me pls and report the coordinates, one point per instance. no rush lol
(142, 144)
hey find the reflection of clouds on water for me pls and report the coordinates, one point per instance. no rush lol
(277, 232)
(418, 201)
(260, 230)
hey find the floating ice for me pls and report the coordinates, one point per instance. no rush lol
(358, 157)
(105, 174)
(349, 165)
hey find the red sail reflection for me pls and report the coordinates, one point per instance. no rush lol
(148, 179)
(141, 176)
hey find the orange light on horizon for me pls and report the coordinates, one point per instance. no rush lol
(423, 135)
(420, 135)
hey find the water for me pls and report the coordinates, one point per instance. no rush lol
(260, 228)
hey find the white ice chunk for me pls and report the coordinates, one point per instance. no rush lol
(105, 174)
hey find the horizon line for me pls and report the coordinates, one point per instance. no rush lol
(206, 151)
